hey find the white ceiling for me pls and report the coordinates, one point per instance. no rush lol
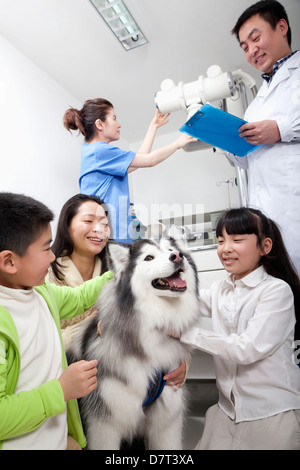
(70, 41)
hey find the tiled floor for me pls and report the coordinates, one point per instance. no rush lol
(202, 395)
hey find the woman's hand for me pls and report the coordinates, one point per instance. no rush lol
(159, 119)
(184, 139)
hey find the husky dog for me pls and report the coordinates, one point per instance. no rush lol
(154, 293)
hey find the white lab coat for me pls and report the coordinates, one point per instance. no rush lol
(274, 170)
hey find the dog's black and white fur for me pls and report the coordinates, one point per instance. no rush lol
(154, 292)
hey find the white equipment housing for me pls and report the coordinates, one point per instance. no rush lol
(226, 90)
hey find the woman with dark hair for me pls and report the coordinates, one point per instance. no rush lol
(80, 250)
(105, 168)
(79, 247)
(252, 338)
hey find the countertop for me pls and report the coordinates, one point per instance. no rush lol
(200, 245)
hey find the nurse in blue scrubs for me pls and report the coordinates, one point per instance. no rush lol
(105, 167)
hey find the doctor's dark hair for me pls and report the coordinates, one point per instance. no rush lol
(270, 10)
(63, 244)
(277, 263)
(85, 118)
(22, 221)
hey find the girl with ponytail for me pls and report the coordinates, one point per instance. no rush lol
(105, 167)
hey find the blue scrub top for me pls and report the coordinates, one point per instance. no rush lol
(104, 173)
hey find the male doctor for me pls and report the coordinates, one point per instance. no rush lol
(273, 117)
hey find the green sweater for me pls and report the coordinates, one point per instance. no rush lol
(26, 411)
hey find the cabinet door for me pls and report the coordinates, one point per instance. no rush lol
(206, 278)
(202, 367)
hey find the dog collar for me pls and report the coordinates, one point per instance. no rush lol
(155, 389)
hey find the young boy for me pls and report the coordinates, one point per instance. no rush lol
(263, 32)
(38, 391)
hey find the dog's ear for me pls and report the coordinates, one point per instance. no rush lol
(172, 232)
(118, 255)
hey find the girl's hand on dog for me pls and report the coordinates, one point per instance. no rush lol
(79, 379)
(173, 334)
(177, 377)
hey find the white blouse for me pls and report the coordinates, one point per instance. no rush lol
(251, 340)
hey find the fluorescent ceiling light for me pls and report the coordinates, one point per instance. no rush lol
(118, 18)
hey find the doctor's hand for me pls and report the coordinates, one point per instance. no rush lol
(261, 132)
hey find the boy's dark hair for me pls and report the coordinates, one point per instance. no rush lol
(270, 10)
(22, 220)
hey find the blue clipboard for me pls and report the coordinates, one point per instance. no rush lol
(218, 128)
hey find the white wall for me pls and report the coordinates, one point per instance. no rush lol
(185, 182)
(39, 157)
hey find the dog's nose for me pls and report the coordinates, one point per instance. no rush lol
(176, 257)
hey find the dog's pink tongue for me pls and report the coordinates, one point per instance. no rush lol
(176, 281)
